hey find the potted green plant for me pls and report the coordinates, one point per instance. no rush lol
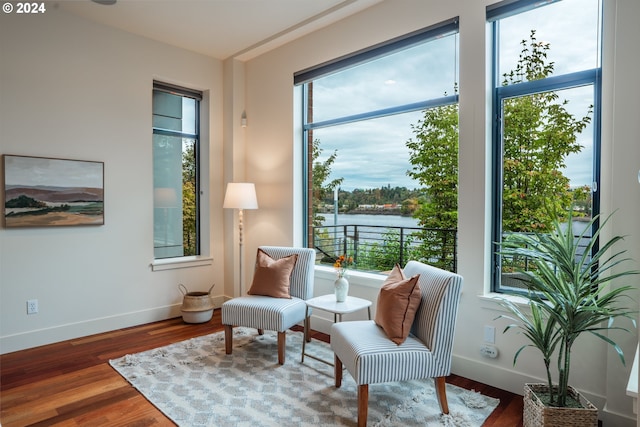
(567, 293)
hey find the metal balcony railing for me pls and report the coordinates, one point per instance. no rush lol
(512, 278)
(377, 248)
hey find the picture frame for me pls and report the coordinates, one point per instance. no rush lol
(51, 192)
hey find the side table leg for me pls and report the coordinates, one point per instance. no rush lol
(305, 333)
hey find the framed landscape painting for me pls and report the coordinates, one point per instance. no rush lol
(44, 192)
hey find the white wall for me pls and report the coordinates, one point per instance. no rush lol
(270, 141)
(73, 89)
(621, 128)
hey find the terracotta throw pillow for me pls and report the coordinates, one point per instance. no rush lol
(398, 302)
(272, 277)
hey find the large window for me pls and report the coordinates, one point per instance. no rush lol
(368, 119)
(176, 136)
(547, 109)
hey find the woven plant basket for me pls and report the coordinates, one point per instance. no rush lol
(197, 306)
(537, 415)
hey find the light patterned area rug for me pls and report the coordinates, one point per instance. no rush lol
(195, 383)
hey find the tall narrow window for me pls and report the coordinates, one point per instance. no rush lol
(176, 137)
(546, 141)
(374, 122)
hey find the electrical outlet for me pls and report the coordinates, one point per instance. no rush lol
(32, 306)
(489, 334)
(489, 351)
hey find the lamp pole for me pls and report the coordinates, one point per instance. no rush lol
(240, 227)
(240, 195)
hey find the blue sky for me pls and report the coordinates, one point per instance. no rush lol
(569, 26)
(36, 171)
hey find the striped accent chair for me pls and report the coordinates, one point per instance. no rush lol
(364, 349)
(273, 314)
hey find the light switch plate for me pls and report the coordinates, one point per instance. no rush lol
(489, 334)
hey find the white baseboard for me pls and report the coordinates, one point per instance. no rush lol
(492, 375)
(44, 336)
(610, 418)
(36, 338)
(320, 324)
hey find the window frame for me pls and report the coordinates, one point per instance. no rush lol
(163, 263)
(306, 77)
(588, 77)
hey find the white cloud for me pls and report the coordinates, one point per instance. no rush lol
(373, 153)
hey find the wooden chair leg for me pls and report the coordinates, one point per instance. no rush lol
(282, 343)
(228, 339)
(337, 368)
(441, 392)
(363, 404)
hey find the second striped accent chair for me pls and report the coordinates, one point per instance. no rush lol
(273, 314)
(371, 357)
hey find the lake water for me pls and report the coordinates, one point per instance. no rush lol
(399, 221)
(364, 219)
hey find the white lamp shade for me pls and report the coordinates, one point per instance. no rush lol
(240, 195)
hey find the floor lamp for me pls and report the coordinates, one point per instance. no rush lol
(240, 195)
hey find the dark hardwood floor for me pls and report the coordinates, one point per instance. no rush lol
(71, 383)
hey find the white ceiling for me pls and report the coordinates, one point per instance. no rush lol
(218, 28)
